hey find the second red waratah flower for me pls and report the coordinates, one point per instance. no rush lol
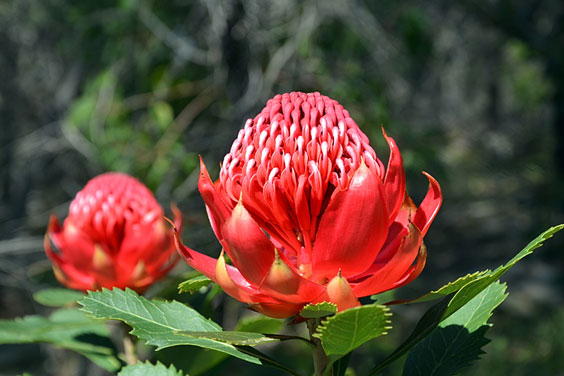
(307, 213)
(114, 236)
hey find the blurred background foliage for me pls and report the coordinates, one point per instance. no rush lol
(472, 91)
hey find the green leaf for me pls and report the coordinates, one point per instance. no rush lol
(148, 369)
(458, 340)
(340, 366)
(194, 284)
(260, 324)
(57, 297)
(314, 311)
(450, 287)
(231, 337)
(162, 114)
(470, 290)
(426, 324)
(477, 311)
(165, 324)
(67, 328)
(446, 351)
(485, 277)
(468, 287)
(347, 330)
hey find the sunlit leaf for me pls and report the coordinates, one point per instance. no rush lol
(347, 330)
(468, 288)
(57, 297)
(458, 340)
(192, 285)
(260, 324)
(312, 311)
(148, 369)
(67, 328)
(165, 324)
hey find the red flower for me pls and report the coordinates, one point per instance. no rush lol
(307, 212)
(114, 236)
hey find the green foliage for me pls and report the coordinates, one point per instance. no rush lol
(148, 369)
(57, 297)
(347, 330)
(260, 324)
(458, 339)
(470, 290)
(67, 328)
(164, 324)
(449, 288)
(471, 284)
(477, 311)
(194, 284)
(469, 287)
(313, 311)
(446, 352)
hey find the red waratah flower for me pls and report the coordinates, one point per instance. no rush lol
(114, 236)
(307, 212)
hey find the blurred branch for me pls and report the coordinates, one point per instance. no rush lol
(21, 245)
(306, 24)
(181, 90)
(181, 46)
(184, 119)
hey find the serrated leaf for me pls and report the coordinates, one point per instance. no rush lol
(347, 330)
(477, 311)
(469, 287)
(148, 369)
(57, 297)
(192, 285)
(165, 324)
(260, 324)
(314, 311)
(458, 340)
(469, 291)
(451, 287)
(446, 351)
(67, 328)
(231, 337)
(485, 277)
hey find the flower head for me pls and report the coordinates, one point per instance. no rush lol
(307, 212)
(114, 236)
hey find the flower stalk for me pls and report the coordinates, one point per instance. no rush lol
(320, 358)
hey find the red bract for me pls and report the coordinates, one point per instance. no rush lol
(114, 236)
(307, 212)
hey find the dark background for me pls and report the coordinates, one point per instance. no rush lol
(472, 91)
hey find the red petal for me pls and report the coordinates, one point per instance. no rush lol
(277, 310)
(283, 282)
(76, 246)
(223, 278)
(387, 276)
(353, 227)
(254, 202)
(217, 210)
(75, 279)
(248, 247)
(202, 263)
(53, 229)
(429, 206)
(340, 292)
(394, 182)
(406, 212)
(416, 269)
(207, 266)
(395, 237)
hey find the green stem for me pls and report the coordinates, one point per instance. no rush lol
(320, 359)
(128, 345)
